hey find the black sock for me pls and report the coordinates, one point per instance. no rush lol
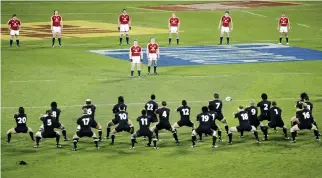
(75, 140)
(285, 132)
(149, 68)
(256, 135)
(200, 136)
(132, 73)
(175, 136)
(286, 39)
(59, 41)
(53, 43)
(293, 135)
(57, 139)
(37, 140)
(18, 42)
(64, 134)
(169, 40)
(221, 40)
(11, 41)
(139, 72)
(241, 133)
(32, 136)
(214, 138)
(9, 137)
(108, 130)
(113, 137)
(177, 40)
(280, 39)
(193, 139)
(133, 142)
(150, 140)
(131, 130)
(96, 142)
(265, 131)
(316, 133)
(230, 136)
(155, 69)
(227, 40)
(121, 39)
(219, 134)
(100, 134)
(156, 131)
(226, 128)
(127, 40)
(155, 143)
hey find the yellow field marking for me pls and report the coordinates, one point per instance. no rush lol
(75, 29)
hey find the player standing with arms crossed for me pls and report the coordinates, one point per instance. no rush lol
(136, 57)
(283, 25)
(153, 54)
(226, 26)
(124, 26)
(14, 25)
(56, 27)
(174, 25)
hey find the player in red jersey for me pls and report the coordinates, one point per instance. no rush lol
(153, 54)
(14, 25)
(124, 26)
(174, 25)
(56, 27)
(136, 57)
(283, 25)
(226, 26)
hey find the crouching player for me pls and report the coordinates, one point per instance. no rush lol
(206, 121)
(144, 122)
(303, 120)
(136, 57)
(244, 125)
(21, 120)
(49, 123)
(153, 54)
(85, 123)
(124, 124)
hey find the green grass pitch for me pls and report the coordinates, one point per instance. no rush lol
(70, 74)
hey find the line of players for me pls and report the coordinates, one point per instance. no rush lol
(248, 121)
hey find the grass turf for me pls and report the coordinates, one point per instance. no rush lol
(69, 75)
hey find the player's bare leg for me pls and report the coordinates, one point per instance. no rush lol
(225, 124)
(95, 141)
(53, 40)
(113, 136)
(99, 131)
(281, 37)
(132, 68)
(9, 132)
(149, 65)
(155, 64)
(75, 141)
(64, 132)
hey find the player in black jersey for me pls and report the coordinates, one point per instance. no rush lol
(116, 109)
(85, 124)
(124, 124)
(275, 114)
(49, 123)
(21, 121)
(184, 111)
(150, 107)
(217, 107)
(164, 123)
(303, 121)
(244, 125)
(120, 101)
(91, 110)
(205, 124)
(144, 122)
(299, 102)
(214, 126)
(55, 113)
(253, 116)
(264, 106)
(310, 107)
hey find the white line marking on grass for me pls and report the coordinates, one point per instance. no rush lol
(142, 103)
(303, 25)
(148, 10)
(28, 81)
(294, 73)
(259, 15)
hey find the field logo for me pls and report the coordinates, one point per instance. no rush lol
(75, 29)
(233, 54)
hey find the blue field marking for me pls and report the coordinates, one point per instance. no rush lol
(224, 54)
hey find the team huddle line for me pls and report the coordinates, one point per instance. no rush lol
(248, 118)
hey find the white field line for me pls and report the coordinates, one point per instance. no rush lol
(259, 15)
(29, 81)
(142, 103)
(303, 25)
(148, 10)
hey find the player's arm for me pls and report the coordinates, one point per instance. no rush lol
(9, 26)
(118, 22)
(130, 23)
(141, 55)
(129, 122)
(219, 23)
